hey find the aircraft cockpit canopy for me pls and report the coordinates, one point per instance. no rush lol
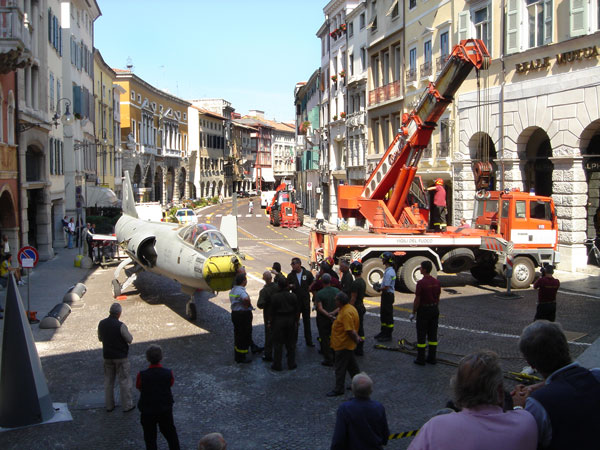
(204, 237)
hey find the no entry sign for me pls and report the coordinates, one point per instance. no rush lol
(28, 257)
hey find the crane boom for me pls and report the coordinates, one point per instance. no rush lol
(383, 199)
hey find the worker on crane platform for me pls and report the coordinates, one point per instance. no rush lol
(439, 211)
(386, 310)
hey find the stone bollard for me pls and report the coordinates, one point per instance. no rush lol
(73, 296)
(56, 316)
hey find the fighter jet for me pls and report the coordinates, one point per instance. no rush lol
(196, 255)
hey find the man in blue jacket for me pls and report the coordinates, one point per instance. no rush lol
(361, 422)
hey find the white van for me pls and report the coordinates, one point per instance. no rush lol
(266, 197)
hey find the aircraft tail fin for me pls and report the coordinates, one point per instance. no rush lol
(128, 203)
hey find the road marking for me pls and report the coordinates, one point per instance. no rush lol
(276, 247)
(397, 308)
(471, 330)
(577, 293)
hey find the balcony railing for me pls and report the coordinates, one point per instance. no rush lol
(441, 61)
(443, 149)
(385, 93)
(427, 152)
(426, 69)
(411, 75)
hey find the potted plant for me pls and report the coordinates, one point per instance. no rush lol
(343, 74)
(334, 78)
(304, 126)
(335, 117)
(343, 27)
(343, 115)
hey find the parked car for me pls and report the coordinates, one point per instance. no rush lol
(243, 194)
(186, 215)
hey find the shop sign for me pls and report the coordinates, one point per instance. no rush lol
(592, 164)
(561, 58)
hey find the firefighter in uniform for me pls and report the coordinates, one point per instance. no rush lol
(548, 287)
(241, 316)
(347, 278)
(285, 313)
(386, 311)
(326, 312)
(358, 288)
(425, 307)
(439, 205)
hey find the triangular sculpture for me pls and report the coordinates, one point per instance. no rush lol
(24, 396)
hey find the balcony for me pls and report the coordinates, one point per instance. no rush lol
(411, 75)
(384, 93)
(440, 62)
(426, 69)
(14, 38)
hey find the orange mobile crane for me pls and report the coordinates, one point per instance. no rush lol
(393, 201)
(284, 210)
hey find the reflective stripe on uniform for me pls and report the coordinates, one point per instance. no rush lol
(432, 344)
(421, 345)
(239, 350)
(388, 325)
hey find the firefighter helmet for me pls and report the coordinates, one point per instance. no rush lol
(356, 267)
(439, 182)
(329, 260)
(387, 257)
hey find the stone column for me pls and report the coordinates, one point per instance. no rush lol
(569, 191)
(43, 221)
(176, 186)
(164, 186)
(186, 191)
(464, 190)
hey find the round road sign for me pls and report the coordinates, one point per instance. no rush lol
(28, 257)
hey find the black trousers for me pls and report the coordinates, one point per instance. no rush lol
(345, 361)
(284, 333)
(306, 320)
(361, 317)
(242, 333)
(386, 311)
(427, 325)
(268, 335)
(324, 325)
(165, 425)
(545, 311)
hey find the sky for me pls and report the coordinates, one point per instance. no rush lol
(250, 53)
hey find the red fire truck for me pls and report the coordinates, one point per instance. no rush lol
(509, 224)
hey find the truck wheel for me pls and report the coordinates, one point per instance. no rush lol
(373, 273)
(276, 218)
(409, 272)
(523, 273)
(483, 274)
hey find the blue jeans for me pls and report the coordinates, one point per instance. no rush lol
(70, 237)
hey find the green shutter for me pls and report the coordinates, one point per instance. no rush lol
(548, 13)
(463, 26)
(578, 18)
(512, 26)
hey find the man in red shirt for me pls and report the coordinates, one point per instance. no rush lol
(439, 211)
(548, 287)
(425, 307)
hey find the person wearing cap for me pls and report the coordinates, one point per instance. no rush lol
(326, 312)
(358, 291)
(547, 287)
(386, 309)
(299, 280)
(438, 218)
(425, 307)
(115, 338)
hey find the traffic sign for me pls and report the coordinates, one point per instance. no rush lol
(309, 186)
(28, 257)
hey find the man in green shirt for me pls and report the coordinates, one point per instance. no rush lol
(326, 311)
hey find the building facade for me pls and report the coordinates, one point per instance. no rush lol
(284, 152)
(154, 126)
(541, 121)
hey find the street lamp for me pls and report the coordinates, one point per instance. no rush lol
(67, 118)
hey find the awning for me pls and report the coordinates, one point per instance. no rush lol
(101, 196)
(266, 173)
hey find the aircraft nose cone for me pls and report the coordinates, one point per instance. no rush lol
(219, 272)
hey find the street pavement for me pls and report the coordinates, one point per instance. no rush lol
(251, 405)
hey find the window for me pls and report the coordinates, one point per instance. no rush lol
(520, 209)
(139, 98)
(386, 68)
(412, 4)
(375, 69)
(395, 9)
(397, 62)
(412, 59)
(350, 29)
(444, 44)
(505, 208)
(132, 95)
(427, 53)
(51, 91)
(362, 21)
(477, 23)
(481, 21)
(540, 210)
(363, 58)
(539, 22)
(351, 63)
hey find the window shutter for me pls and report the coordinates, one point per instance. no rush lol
(578, 19)
(50, 23)
(512, 26)
(76, 100)
(548, 21)
(463, 25)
